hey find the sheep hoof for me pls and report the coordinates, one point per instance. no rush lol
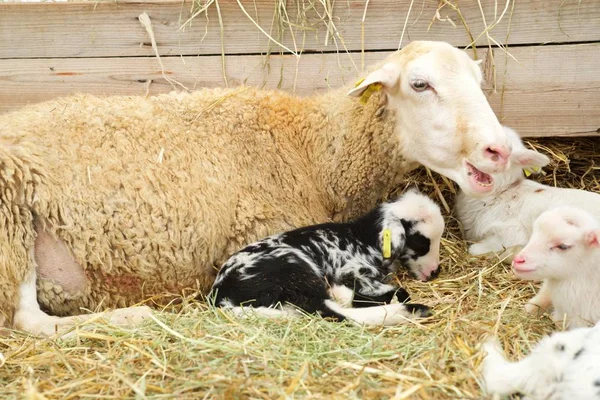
(478, 249)
(532, 308)
(419, 310)
(131, 316)
(492, 346)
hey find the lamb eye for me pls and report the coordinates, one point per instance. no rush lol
(419, 85)
(563, 247)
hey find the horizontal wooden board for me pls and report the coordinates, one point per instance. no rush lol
(552, 90)
(111, 28)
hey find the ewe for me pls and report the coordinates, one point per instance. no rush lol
(564, 251)
(563, 366)
(297, 267)
(105, 202)
(503, 218)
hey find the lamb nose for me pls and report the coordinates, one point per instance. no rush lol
(519, 260)
(499, 154)
(434, 274)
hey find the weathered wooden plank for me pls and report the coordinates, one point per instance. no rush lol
(111, 28)
(555, 90)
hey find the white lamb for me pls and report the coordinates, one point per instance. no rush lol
(565, 365)
(502, 219)
(564, 251)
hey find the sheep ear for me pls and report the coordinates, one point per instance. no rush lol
(592, 238)
(530, 159)
(478, 62)
(385, 77)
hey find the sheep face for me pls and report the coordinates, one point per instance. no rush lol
(521, 158)
(444, 120)
(561, 241)
(423, 227)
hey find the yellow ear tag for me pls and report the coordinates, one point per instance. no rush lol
(375, 87)
(387, 243)
(530, 170)
(361, 80)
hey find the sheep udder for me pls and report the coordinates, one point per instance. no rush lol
(55, 263)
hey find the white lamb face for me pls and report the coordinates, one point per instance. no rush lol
(423, 247)
(561, 241)
(423, 228)
(443, 117)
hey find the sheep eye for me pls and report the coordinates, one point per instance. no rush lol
(419, 85)
(563, 247)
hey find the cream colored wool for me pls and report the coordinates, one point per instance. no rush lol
(149, 194)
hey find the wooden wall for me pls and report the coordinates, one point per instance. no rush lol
(548, 85)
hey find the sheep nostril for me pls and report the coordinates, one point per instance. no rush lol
(497, 153)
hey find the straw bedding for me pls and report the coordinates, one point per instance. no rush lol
(191, 351)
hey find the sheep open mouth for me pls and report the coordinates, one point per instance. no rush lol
(479, 177)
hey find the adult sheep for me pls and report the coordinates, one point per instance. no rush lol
(108, 201)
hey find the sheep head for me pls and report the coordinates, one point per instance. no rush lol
(423, 226)
(443, 118)
(521, 159)
(563, 239)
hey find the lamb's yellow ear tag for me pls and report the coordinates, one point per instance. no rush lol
(530, 170)
(387, 243)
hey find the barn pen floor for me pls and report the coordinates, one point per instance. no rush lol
(196, 352)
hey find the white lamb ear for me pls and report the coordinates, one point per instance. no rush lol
(387, 76)
(478, 62)
(530, 158)
(592, 238)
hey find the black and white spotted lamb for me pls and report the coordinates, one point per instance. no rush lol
(312, 267)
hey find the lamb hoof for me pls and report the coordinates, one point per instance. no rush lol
(419, 310)
(478, 249)
(131, 316)
(402, 295)
(532, 308)
(492, 346)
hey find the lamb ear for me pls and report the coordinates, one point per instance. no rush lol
(530, 158)
(387, 76)
(592, 238)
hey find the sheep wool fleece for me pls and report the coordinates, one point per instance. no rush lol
(150, 195)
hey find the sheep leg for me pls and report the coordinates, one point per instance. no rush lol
(342, 294)
(386, 315)
(490, 244)
(501, 376)
(30, 318)
(541, 301)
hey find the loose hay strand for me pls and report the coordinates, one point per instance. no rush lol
(147, 24)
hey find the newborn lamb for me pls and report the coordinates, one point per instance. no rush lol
(307, 267)
(563, 366)
(503, 218)
(564, 251)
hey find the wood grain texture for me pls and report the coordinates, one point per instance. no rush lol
(111, 28)
(551, 91)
